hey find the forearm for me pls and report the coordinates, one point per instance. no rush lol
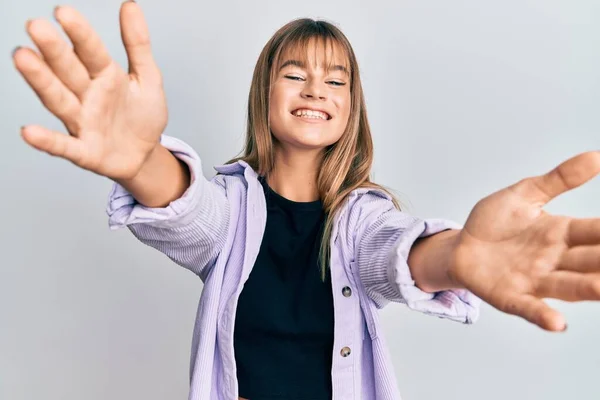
(430, 260)
(162, 179)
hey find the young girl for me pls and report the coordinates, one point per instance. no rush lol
(296, 247)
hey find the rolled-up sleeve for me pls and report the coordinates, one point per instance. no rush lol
(383, 244)
(192, 229)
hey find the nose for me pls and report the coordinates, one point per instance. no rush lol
(314, 90)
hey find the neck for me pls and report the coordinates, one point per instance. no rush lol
(295, 174)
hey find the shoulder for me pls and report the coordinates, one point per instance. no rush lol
(362, 209)
(234, 177)
(368, 203)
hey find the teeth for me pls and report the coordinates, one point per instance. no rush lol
(311, 114)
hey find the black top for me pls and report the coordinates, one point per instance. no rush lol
(283, 336)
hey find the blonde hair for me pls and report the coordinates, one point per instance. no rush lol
(346, 164)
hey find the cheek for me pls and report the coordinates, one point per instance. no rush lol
(342, 101)
(274, 113)
(277, 103)
(273, 102)
(344, 111)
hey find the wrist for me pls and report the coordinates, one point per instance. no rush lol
(148, 163)
(161, 179)
(432, 261)
(457, 264)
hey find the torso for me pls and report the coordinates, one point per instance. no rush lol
(295, 316)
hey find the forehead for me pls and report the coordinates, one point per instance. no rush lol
(318, 52)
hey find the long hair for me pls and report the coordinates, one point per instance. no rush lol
(346, 164)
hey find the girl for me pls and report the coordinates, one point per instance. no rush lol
(296, 247)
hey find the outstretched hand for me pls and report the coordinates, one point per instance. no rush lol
(114, 118)
(512, 254)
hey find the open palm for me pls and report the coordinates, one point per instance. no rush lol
(114, 118)
(512, 253)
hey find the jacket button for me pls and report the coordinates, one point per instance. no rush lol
(346, 291)
(345, 352)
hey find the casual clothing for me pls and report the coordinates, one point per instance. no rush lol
(215, 230)
(283, 334)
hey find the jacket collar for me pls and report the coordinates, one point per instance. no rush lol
(241, 167)
(237, 167)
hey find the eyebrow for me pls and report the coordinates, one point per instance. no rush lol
(300, 64)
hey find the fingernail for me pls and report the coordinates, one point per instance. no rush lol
(565, 328)
(27, 23)
(15, 50)
(54, 13)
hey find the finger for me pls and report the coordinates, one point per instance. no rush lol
(59, 56)
(136, 39)
(583, 259)
(54, 143)
(569, 286)
(86, 43)
(53, 94)
(568, 175)
(535, 311)
(583, 231)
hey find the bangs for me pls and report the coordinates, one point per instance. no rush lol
(311, 43)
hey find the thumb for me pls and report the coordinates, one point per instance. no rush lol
(54, 143)
(568, 175)
(136, 38)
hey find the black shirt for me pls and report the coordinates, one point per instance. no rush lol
(283, 334)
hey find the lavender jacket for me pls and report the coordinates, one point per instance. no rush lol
(215, 230)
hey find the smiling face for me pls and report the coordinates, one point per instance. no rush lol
(310, 96)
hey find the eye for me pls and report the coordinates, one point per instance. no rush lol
(336, 83)
(294, 78)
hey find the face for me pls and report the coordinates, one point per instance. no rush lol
(310, 104)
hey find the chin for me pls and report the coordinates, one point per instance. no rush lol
(308, 140)
(305, 136)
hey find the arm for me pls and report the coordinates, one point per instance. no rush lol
(192, 229)
(384, 239)
(430, 260)
(162, 179)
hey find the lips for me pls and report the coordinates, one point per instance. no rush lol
(311, 113)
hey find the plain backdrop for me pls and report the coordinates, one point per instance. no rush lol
(464, 98)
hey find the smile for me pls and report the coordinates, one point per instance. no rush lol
(311, 114)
